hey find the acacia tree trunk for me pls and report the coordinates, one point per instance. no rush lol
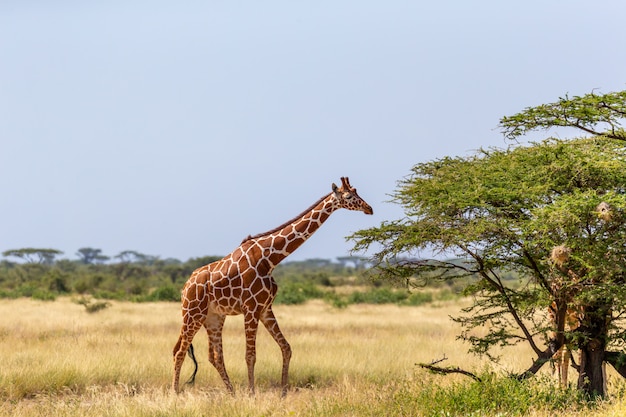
(593, 334)
(591, 378)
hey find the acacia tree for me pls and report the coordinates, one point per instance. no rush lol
(34, 255)
(91, 255)
(503, 211)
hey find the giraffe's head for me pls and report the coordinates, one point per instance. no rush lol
(348, 198)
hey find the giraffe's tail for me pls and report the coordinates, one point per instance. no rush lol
(192, 380)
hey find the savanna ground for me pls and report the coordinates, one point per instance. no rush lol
(59, 360)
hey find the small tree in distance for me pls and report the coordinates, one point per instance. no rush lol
(506, 210)
(91, 255)
(34, 255)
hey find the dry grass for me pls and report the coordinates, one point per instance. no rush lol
(59, 360)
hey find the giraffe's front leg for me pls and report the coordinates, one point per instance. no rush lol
(251, 324)
(271, 324)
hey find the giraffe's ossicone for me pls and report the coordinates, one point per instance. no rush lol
(242, 283)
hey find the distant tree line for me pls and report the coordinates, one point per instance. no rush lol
(41, 273)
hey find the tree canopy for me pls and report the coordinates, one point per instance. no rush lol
(90, 255)
(595, 114)
(34, 255)
(506, 210)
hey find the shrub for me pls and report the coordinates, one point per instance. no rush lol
(56, 281)
(336, 300)
(92, 306)
(495, 395)
(43, 295)
(26, 289)
(297, 293)
(164, 293)
(8, 294)
(81, 286)
(109, 295)
(418, 298)
(378, 296)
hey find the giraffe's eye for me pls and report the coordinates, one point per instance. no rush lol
(348, 196)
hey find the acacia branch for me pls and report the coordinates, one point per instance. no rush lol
(555, 345)
(516, 316)
(447, 370)
(538, 363)
(597, 133)
(612, 108)
(614, 136)
(540, 277)
(498, 286)
(617, 360)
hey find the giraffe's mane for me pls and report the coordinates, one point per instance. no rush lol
(277, 228)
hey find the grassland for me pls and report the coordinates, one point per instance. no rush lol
(59, 360)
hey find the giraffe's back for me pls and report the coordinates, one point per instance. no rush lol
(221, 289)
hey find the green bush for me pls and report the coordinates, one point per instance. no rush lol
(418, 298)
(378, 296)
(164, 293)
(92, 306)
(81, 286)
(27, 289)
(56, 281)
(297, 293)
(336, 300)
(110, 295)
(495, 395)
(8, 294)
(136, 288)
(43, 295)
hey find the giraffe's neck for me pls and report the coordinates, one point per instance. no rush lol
(283, 241)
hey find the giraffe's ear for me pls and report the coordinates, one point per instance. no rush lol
(334, 187)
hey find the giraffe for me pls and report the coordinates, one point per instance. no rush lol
(242, 283)
(562, 313)
(562, 357)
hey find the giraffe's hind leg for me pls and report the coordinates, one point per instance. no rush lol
(565, 366)
(214, 325)
(187, 332)
(557, 364)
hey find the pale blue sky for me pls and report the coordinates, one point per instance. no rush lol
(178, 128)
